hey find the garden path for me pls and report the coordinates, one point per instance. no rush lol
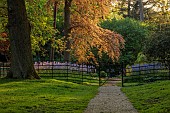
(110, 99)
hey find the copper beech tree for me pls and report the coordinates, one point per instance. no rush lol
(82, 31)
(85, 33)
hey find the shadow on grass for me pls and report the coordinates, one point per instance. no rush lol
(45, 95)
(7, 80)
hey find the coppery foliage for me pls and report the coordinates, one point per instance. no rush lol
(4, 43)
(86, 34)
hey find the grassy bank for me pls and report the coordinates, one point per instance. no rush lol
(150, 98)
(46, 95)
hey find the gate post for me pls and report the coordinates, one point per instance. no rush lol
(122, 69)
(169, 68)
(82, 67)
(99, 73)
(67, 70)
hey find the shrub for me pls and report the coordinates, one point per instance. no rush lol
(103, 74)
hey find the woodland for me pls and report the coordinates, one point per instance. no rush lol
(129, 31)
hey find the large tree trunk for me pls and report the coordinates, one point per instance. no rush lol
(67, 29)
(20, 41)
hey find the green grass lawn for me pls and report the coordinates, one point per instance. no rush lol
(75, 76)
(149, 98)
(44, 96)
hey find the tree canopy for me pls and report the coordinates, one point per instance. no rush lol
(158, 45)
(135, 34)
(77, 33)
(87, 34)
(83, 30)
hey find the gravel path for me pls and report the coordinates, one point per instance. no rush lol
(110, 99)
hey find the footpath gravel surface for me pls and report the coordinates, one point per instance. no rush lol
(110, 99)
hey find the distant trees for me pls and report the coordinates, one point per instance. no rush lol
(135, 34)
(155, 13)
(158, 46)
(148, 10)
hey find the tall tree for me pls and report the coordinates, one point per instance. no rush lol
(19, 35)
(141, 10)
(87, 35)
(67, 30)
(82, 31)
(129, 3)
(54, 25)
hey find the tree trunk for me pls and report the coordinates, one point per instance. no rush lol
(67, 29)
(20, 41)
(53, 39)
(129, 4)
(141, 10)
(135, 9)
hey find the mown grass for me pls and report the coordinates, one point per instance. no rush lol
(44, 96)
(71, 76)
(149, 98)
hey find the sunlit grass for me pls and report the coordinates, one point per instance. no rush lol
(149, 98)
(46, 95)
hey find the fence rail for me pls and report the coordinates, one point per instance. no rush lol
(146, 72)
(79, 73)
(4, 68)
(73, 72)
(99, 74)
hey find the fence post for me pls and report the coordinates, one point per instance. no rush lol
(140, 77)
(0, 71)
(38, 66)
(154, 69)
(52, 69)
(67, 70)
(87, 65)
(99, 73)
(3, 69)
(122, 73)
(169, 70)
(82, 73)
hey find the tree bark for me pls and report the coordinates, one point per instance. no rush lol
(141, 10)
(54, 25)
(135, 9)
(20, 41)
(67, 29)
(129, 4)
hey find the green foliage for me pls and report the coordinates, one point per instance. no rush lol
(103, 74)
(141, 58)
(41, 23)
(44, 96)
(158, 46)
(94, 74)
(150, 98)
(3, 16)
(134, 33)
